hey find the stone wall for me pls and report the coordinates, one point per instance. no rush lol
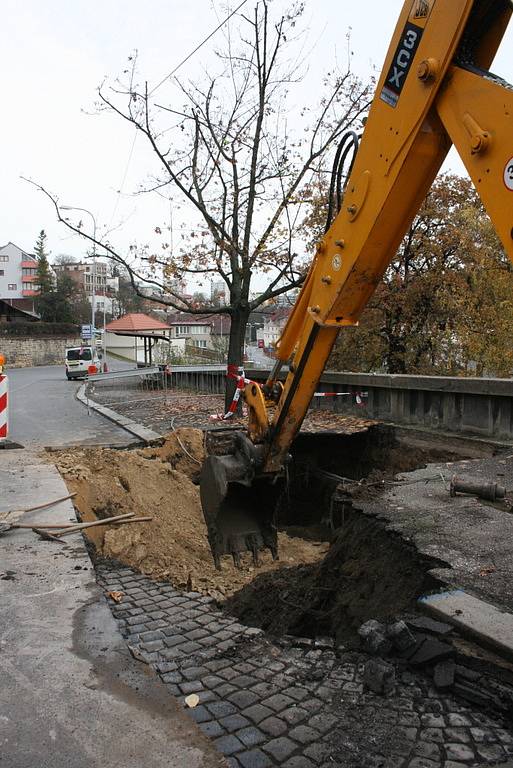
(25, 352)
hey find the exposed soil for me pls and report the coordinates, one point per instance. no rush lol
(159, 482)
(368, 572)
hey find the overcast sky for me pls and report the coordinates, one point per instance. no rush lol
(55, 54)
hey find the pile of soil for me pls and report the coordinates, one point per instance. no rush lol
(159, 482)
(368, 572)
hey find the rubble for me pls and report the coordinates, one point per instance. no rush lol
(379, 677)
(400, 635)
(373, 638)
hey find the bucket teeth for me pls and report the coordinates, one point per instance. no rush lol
(239, 507)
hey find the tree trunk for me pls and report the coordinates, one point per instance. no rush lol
(235, 352)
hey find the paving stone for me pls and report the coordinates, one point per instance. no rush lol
(444, 673)
(428, 749)
(166, 666)
(303, 734)
(298, 762)
(156, 645)
(280, 748)
(243, 699)
(278, 702)
(132, 620)
(273, 726)
(482, 736)
(135, 630)
(318, 753)
(432, 734)
(244, 681)
(422, 762)
(212, 681)
(225, 690)
(460, 735)
(221, 708)
(233, 723)
(296, 693)
(194, 673)
(458, 721)
(158, 624)
(229, 744)
(250, 736)
(491, 752)
(425, 624)
(212, 729)
(191, 686)
(200, 714)
(232, 762)
(263, 689)
(154, 615)
(312, 705)
(173, 640)
(244, 668)
(257, 713)
(323, 722)
(172, 677)
(217, 664)
(433, 721)
(198, 634)
(294, 715)
(254, 758)
(228, 673)
(189, 647)
(459, 752)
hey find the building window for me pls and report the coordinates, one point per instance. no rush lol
(12, 287)
(1, 272)
(183, 330)
(200, 343)
(4, 258)
(28, 271)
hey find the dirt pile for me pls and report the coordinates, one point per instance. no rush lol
(157, 481)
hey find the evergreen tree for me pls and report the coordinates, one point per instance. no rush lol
(44, 275)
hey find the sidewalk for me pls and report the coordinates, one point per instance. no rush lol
(71, 694)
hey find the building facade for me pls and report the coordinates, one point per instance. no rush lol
(18, 273)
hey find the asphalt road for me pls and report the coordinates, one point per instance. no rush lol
(44, 412)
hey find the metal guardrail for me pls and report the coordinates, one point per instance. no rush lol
(128, 373)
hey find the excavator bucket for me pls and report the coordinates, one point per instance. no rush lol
(238, 505)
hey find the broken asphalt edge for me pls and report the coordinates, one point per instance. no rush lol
(476, 619)
(148, 436)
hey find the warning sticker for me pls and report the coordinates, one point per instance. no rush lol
(508, 174)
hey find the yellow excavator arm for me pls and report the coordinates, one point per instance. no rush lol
(435, 91)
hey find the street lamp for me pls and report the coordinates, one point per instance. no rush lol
(93, 280)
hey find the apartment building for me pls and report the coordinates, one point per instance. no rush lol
(18, 273)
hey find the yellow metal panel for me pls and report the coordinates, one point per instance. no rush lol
(478, 114)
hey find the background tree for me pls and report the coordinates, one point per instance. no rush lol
(230, 154)
(444, 305)
(44, 274)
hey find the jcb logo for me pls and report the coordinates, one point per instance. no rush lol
(422, 9)
(401, 64)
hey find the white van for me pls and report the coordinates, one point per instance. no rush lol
(78, 360)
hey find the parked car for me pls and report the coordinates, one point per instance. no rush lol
(80, 359)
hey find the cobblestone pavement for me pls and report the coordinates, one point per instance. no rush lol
(293, 703)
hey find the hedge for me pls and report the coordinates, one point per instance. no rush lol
(39, 329)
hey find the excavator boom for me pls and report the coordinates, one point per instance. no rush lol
(435, 91)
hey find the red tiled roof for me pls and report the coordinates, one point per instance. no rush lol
(135, 322)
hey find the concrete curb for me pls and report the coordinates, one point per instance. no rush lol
(138, 430)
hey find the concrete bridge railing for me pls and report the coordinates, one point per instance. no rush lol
(469, 406)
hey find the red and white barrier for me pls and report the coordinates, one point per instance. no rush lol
(4, 412)
(357, 395)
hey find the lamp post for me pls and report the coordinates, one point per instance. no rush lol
(93, 276)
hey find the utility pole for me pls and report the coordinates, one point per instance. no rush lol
(93, 276)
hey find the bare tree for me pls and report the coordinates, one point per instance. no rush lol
(234, 159)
